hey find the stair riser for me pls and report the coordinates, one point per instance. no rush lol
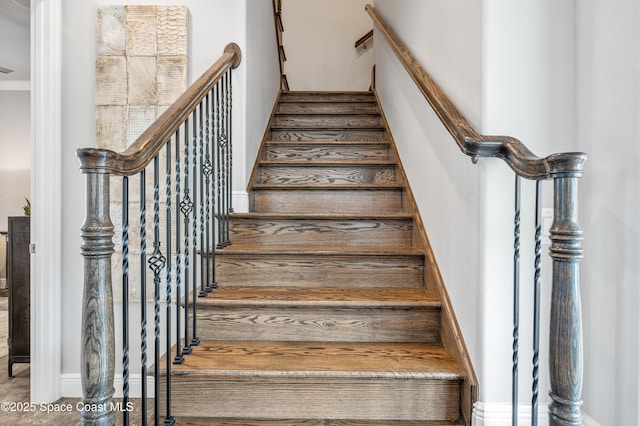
(305, 154)
(320, 271)
(328, 135)
(312, 175)
(328, 108)
(327, 201)
(313, 398)
(319, 325)
(327, 97)
(321, 232)
(327, 121)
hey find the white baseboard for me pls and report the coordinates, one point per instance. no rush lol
(240, 200)
(71, 385)
(499, 414)
(589, 421)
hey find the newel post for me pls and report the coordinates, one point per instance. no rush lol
(565, 343)
(98, 342)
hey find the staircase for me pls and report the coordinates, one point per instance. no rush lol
(327, 312)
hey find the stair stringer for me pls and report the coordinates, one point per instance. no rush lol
(450, 332)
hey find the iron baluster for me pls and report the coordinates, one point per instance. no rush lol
(218, 168)
(143, 296)
(516, 304)
(157, 263)
(125, 298)
(194, 227)
(536, 306)
(201, 135)
(227, 158)
(230, 143)
(207, 169)
(168, 419)
(186, 205)
(211, 261)
(179, 358)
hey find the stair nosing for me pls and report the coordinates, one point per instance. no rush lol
(348, 251)
(312, 187)
(328, 163)
(324, 129)
(344, 349)
(332, 142)
(321, 298)
(322, 216)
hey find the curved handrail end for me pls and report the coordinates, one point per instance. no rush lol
(566, 164)
(235, 50)
(96, 160)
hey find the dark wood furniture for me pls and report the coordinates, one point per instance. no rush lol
(18, 283)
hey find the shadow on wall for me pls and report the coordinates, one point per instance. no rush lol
(14, 188)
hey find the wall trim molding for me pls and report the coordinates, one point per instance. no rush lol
(15, 85)
(46, 199)
(240, 201)
(71, 384)
(499, 414)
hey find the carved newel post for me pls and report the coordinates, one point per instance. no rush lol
(565, 343)
(98, 344)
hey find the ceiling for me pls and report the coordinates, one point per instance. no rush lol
(14, 39)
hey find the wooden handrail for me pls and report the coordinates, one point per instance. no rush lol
(362, 40)
(282, 57)
(152, 140)
(472, 143)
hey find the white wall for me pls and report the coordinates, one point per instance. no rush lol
(608, 105)
(263, 75)
(499, 63)
(207, 42)
(14, 160)
(319, 39)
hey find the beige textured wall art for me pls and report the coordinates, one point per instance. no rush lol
(141, 68)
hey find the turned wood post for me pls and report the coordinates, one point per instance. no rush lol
(98, 342)
(565, 342)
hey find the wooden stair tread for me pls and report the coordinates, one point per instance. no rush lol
(195, 421)
(329, 163)
(322, 216)
(322, 297)
(320, 359)
(322, 250)
(319, 97)
(311, 187)
(322, 142)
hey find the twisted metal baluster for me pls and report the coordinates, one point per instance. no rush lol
(186, 207)
(207, 169)
(157, 263)
(125, 299)
(229, 133)
(227, 157)
(223, 142)
(218, 167)
(516, 304)
(536, 306)
(143, 295)
(211, 265)
(168, 419)
(201, 138)
(195, 340)
(179, 358)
